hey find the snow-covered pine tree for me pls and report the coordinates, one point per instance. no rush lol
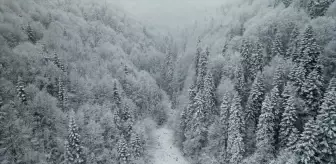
(202, 70)
(326, 120)
(277, 47)
(116, 95)
(246, 60)
(56, 60)
(297, 77)
(236, 148)
(137, 147)
(209, 96)
(312, 92)
(288, 133)
(318, 8)
(224, 127)
(123, 151)
(307, 147)
(74, 152)
(240, 85)
(197, 58)
(20, 89)
(253, 110)
(60, 89)
(293, 45)
(31, 34)
(258, 58)
(279, 78)
(309, 51)
(275, 105)
(332, 84)
(265, 133)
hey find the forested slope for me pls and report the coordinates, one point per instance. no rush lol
(76, 84)
(260, 87)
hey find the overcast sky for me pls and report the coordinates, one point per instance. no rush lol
(169, 13)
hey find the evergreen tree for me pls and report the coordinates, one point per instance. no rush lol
(318, 8)
(293, 45)
(332, 84)
(275, 106)
(20, 90)
(258, 59)
(240, 85)
(297, 77)
(307, 147)
(309, 51)
(202, 70)
(279, 79)
(246, 61)
(123, 151)
(253, 110)
(277, 47)
(60, 89)
(289, 134)
(235, 132)
(327, 126)
(265, 133)
(196, 136)
(224, 127)
(137, 147)
(197, 59)
(116, 95)
(56, 60)
(74, 150)
(31, 34)
(209, 95)
(312, 92)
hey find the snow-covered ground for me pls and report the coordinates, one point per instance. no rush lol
(164, 151)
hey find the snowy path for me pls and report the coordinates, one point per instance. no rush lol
(164, 152)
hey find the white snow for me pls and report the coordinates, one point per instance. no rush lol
(164, 151)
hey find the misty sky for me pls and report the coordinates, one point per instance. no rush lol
(169, 13)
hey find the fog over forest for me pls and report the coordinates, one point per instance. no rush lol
(167, 82)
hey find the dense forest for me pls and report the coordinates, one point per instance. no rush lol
(82, 82)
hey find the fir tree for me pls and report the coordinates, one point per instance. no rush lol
(312, 92)
(279, 78)
(307, 147)
(31, 34)
(275, 106)
(309, 52)
(209, 95)
(277, 47)
(74, 150)
(202, 70)
(258, 59)
(137, 148)
(197, 58)
(326, 120)
(297, 77)
(253, 110)
(240, 85)
(265, 133)
(289, 134)
(20, 90)
(293, 45)
(116, 95)
(246, 61)
(224, 126)
(123, 151)
(332, 84)
(235, 132)
(56, 60)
